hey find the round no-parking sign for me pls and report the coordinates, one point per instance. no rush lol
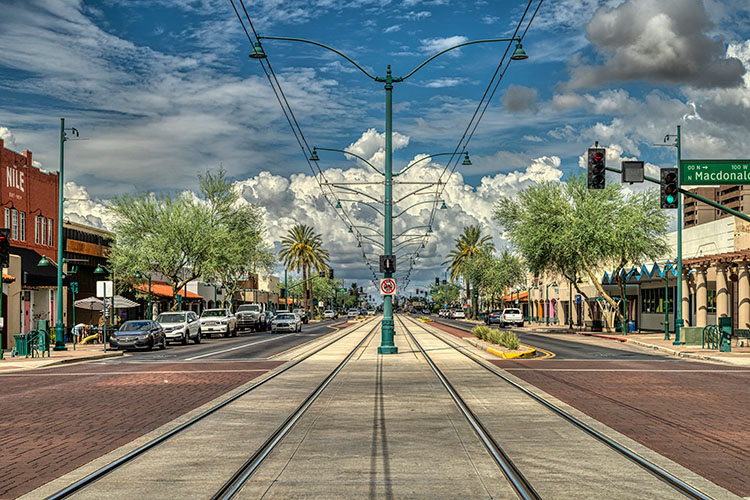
(387, 286)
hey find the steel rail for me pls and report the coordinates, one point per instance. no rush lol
(112, 466)
(240, 477)
(518, 481)
(649, 466)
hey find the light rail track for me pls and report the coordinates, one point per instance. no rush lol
(91, 478)
(518, 481)
(663, 475)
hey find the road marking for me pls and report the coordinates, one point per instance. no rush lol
(335, 329)
(238, 347)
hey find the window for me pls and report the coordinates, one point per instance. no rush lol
(652, 300)
(14, 224)
(43, 231)
(7, 218)
(711, 302)
(22, 226)
(49, 232)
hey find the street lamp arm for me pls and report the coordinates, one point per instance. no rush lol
(372, 240)
(320, 45)
(365, 203)
(359, 192)
(420, 160)
(415, 192)
(352, 154)
(414, 205)
(455, 47)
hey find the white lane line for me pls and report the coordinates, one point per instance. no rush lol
(238, 347)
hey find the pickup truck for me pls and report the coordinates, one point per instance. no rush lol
(251, 317)
(511, 316)
(218, 321)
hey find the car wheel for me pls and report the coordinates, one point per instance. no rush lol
(150, 344)
(198, 337)
(521, 325)
(163, 343)
(234, 332)
(227, 332)
(185, 336)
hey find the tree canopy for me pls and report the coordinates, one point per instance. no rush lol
(570, 230)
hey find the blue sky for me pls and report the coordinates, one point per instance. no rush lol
(163, 89)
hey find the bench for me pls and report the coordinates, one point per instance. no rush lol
(741, 333)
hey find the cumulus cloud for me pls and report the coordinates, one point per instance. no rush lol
(444, 82)
(371, 146)
(664, 41)
(519, 98)
(432, 45)
(7, 136)
(80, 207)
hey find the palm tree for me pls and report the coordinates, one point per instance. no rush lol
(301, 250)
(468, 245)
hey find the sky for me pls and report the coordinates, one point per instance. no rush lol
(163, 90)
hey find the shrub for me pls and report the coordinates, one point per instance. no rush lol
(482, 332)
(509, 340)
(505, 338)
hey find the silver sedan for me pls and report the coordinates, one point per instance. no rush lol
(286, 322)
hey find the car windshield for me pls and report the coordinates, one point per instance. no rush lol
(171, 318)
(214, 313)
(328, 312)
(285, 316)
(512, 311)
(135, 326)
(496, 311)
(254, 308)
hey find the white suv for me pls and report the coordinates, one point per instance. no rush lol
(180, 326)
(218, 321)
(352, 313)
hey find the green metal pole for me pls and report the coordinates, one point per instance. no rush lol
(286, 291)
(666, 304)
(546, 305)
(74, 317)
(59, 326)
(386, 342)
(678, 321)
(150, 310)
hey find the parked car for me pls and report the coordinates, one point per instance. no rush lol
(218, 321)
(302, 315)
(286, 322)
(371, 312)
(329, 314)
(180, 326)
(494, 317)
(511, 316)
(250, 317)
(137, 334)
(352, 313)
(457, 314)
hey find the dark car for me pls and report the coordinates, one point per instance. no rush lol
(494, 317)
(137, 334)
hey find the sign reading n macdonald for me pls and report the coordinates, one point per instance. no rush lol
(714, 172)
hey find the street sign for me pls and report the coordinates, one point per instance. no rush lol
(578, 299)
(342, 290)
(714, 172)
(388, 286)
(103, 289)
(632, 171)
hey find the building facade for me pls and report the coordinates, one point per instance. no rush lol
(29, 201)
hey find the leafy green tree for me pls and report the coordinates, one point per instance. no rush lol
(240, 250)
(438, 293)
(302, 250)
(494, 276)
(170, 234)
(567, 229)
(468, 245)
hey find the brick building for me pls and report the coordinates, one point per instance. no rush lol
(28, 198)
(697, 212)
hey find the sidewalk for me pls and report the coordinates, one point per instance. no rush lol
(739, 356)
(81, 353)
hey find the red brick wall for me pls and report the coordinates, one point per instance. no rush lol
(28, 189)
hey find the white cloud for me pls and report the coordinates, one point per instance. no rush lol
(392, 29)
(7, 136)
(433, 45)
(444, 82)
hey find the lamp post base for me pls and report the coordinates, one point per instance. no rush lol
(387, 349)
(59, 346)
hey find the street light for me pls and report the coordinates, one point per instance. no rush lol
(138, 276)
(387, 332)
(100, 269)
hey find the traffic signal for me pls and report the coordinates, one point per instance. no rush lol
(330, 273)
(321, 274)
(476, 295)
(669, 194)
(4, 247)
(596, 167)
(437, 281)
(282, 293)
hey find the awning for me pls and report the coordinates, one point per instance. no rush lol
(164, 290)
(523, 297)
(95, 303)
(34, 275)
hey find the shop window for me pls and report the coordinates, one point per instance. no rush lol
(49, 232)
(711, 301)
(37, 222)
(14, 224)
(22, 226)
(7, 218)
(43, 230)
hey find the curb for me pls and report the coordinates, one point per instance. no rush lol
(500, 354)
(88, 358)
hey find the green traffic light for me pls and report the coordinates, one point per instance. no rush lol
(670, 198)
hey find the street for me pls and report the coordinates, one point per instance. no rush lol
(688, 411)
(60, 418)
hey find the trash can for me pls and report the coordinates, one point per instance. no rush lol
(631, 326)
(725, 326)
(22, 345)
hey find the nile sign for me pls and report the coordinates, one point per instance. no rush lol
(714, 172)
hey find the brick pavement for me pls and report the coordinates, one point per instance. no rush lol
(693, 413)
(57, 419)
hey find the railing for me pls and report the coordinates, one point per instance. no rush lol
(711, 337)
